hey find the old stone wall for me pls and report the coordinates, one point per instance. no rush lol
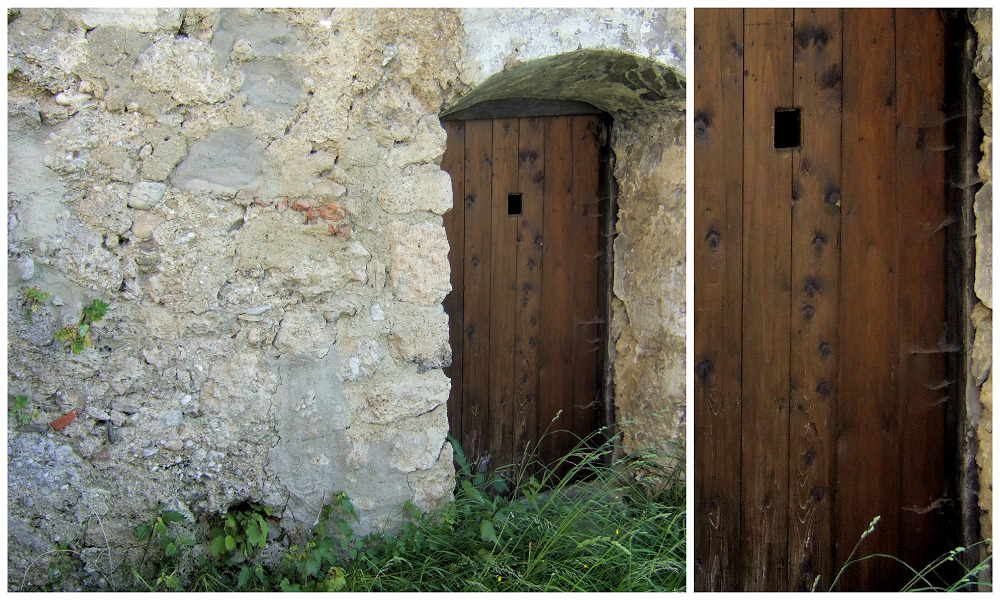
(982, 315)
(257, 195)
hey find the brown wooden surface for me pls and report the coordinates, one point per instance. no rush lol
(924, 393)
(766, 299)
(453, 162)
(843, 287)
(555, 378)
(503, 295)
(816, 184)
(718, 188)
(531, 176)
(584, 229)
(868, 445)
(523, 311)
(478, 225)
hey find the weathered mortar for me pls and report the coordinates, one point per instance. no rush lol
(981, 357)
(257, 194)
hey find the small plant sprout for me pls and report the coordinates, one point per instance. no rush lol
(36, 298)
(78, 335)
(21, 411)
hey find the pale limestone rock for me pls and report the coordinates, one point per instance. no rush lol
(144, 224)
(146, 20)
(420, 271)
(417, 446)
(388, 401)
(306, 332)
(183, 68)
(146, 195)
(305, 258)
(419, 335)
(423, 187)
(166, 151)
(225, 161)
(433, 487)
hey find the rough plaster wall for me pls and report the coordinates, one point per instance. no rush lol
(982, 315)
(649, 314)
(257, 194)
(502, 38)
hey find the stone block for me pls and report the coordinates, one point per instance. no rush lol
(303, 331)
(272, 86)
(226, 161)
(417, 445)
(423, 187)
(402, 395)
(983, 207)
(420, 272)
(146, 20)
(419, 335)
(184, 68)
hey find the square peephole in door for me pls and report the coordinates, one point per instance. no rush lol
(787, 128)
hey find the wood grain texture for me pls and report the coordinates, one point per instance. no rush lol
(503, 295)
(816, 184)
(766, 301)
(924, 391)
(453, 162)
(718, 198)
(584, 235)
(869, 424)
(557, 352)
(478, 244)
(531, 177)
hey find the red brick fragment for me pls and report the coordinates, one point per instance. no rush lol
(64, 420)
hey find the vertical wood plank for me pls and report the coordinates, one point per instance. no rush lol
(453, 162)
(531, 177)
(478, 227)
(868, 444)
(555, 380)
(584, 233)
(718, 198)
(924, 393)
(816, 183)
(503, 295)
(766, 301)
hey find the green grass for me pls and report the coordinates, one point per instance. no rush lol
(604, 533)
(598, 528)
(957, 570)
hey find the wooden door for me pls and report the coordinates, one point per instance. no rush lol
(523, 310)
(821, 392)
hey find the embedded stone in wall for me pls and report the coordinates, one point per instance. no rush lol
(417, 445)
(272, 85)
(183, 68)
(419, 334)
(164, 151)
(424, 187)
(984, 457)
(982, 346)
(303, 331)
(252, 33)
(146, 195)
(984, 244)
(392, 399)
(226, 161)
(146, 20)
(296, 256)
(420, 271)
